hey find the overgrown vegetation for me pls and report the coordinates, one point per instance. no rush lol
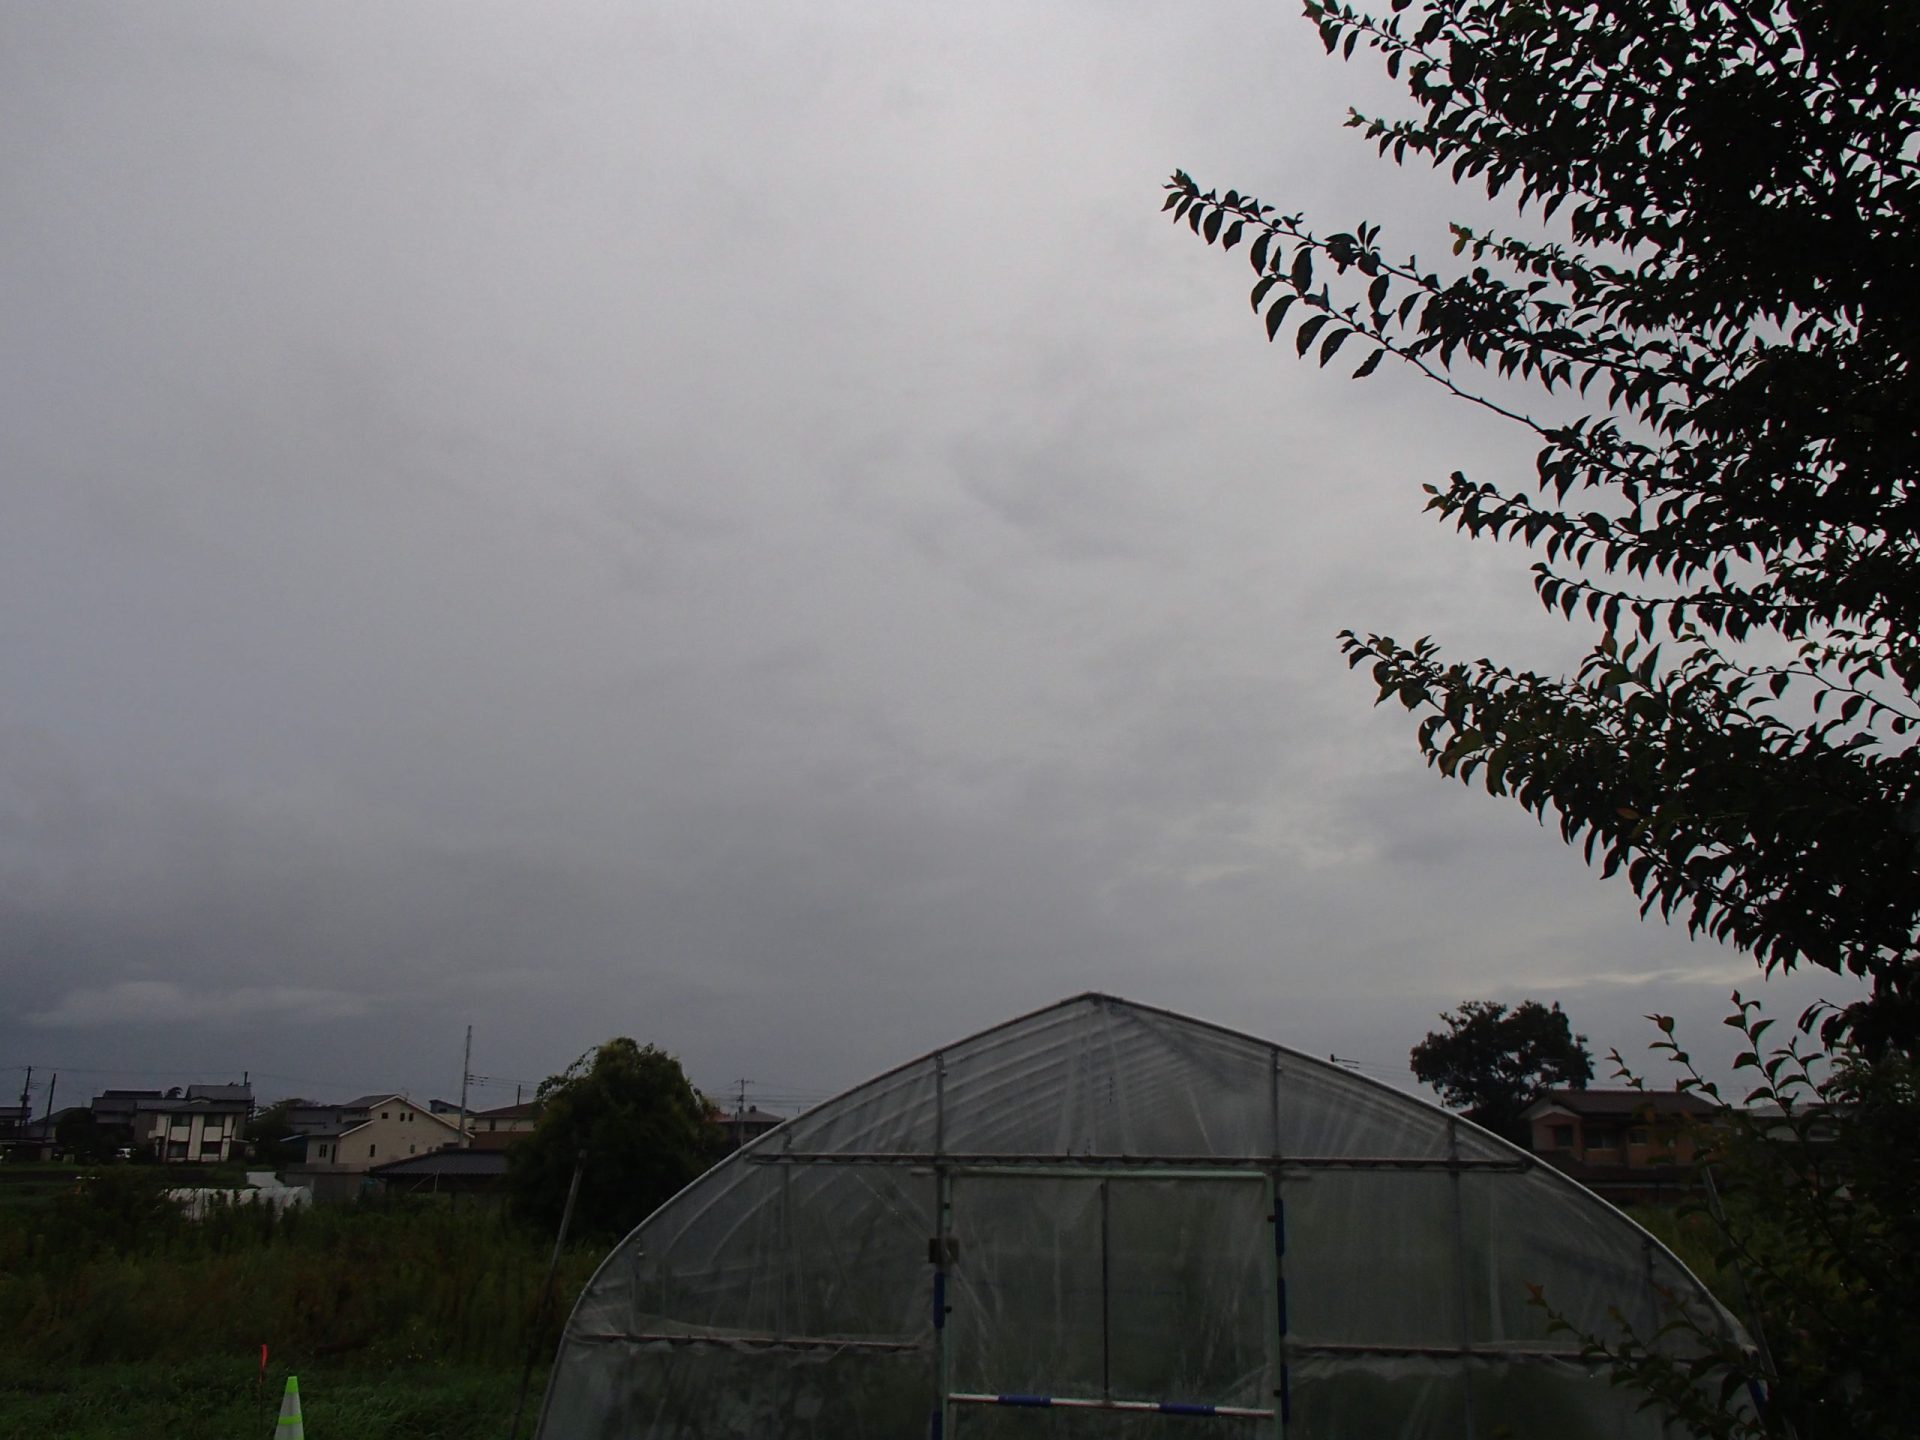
(109, 1272)
(1491, 1062)
(1815, 1242)
(629, 1117)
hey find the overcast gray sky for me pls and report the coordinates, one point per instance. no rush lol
(739, 525)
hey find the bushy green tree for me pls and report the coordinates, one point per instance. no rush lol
(267, 1134)
(1492, 1063)
(82, 1137)
(1716, 320)
(641, 1127)
(1815, 1171)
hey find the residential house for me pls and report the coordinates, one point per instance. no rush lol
(382, 1129)
(205, 1125)
(315, 1118)
(504, 1125)
(519, 1118)
(118, 1107)
(1627, 1145)
(21, 1136)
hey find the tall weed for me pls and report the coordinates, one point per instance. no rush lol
(106, 1276)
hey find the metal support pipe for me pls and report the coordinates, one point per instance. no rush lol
(546, 1293)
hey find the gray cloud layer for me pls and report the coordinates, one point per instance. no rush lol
(741, 527)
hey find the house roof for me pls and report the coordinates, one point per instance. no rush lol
(443, 1163)
(367, 1102)
(193, 1105)
(1619, 1104)
(524, 1110)
(220, 1092)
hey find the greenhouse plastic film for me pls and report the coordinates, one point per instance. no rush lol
(1073, 1222)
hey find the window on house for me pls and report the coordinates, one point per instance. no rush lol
(1637, 1135)
(370, 1151)
(383, 1114)
(409, 1149)
(323, 1152)
(1563, 1137)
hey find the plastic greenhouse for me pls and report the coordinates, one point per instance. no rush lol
(1107, 1220)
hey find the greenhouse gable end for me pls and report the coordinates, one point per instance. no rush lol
(1103, 1219)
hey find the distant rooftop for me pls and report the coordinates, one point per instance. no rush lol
(367, 1102)
(444, 1163)
(1623, 1103)
(220, 1092)
(524, 1110)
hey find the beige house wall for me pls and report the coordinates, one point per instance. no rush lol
(395, 1130)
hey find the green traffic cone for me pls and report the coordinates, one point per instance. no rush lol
(290, 1427)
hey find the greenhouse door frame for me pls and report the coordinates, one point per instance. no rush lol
(945, 1251)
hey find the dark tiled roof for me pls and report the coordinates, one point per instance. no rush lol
(220, 1092)
(196, 1105)
(443, 1162)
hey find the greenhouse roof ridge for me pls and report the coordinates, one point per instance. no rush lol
(1107, 999)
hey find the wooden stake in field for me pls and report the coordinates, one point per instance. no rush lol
(290, 1426)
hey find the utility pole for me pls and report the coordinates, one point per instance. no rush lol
(466, 1074)
(26, 1105)
(52, 1085)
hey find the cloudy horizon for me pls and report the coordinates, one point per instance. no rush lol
(741, 527)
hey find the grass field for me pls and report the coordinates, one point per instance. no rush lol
(220, 1399)
(123, 1319)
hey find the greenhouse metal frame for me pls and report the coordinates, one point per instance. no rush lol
(1105, 1219)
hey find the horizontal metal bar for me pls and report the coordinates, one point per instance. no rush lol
(1438, 1352)
(1115, 1172)
(1136, 1407)
(758, 1342)
(1252, 1164)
